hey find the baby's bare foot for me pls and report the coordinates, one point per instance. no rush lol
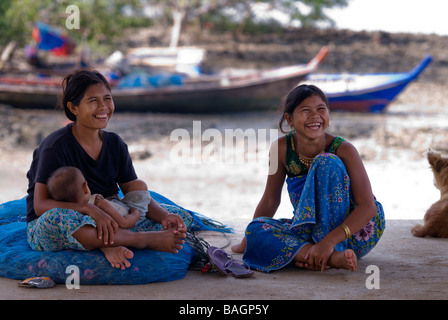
(118, 256)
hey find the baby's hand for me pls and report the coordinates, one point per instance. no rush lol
(131, 219)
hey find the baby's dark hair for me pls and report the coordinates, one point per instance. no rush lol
(296, 96)
(75, 85)
(65, 184)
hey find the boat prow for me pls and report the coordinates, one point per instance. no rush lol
(365, 92)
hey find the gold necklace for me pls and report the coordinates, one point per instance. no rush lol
(308, 161)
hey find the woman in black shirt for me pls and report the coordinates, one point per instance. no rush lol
(104, 160)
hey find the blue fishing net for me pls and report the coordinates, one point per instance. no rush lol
(19, 261)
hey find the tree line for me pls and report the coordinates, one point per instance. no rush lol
(104, 21)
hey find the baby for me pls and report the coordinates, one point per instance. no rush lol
(68, 184)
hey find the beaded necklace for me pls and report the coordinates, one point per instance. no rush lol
(307, 161)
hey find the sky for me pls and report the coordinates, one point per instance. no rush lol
(415, 16)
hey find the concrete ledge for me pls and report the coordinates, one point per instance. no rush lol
(408, 268)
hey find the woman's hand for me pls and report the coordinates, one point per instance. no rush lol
(105, 224)
(319, 254)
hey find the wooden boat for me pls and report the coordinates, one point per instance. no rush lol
(56, 44)
(231, 92)
(177, 59)
(365, 92)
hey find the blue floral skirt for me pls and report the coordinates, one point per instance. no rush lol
(322, 201)
(53, 230)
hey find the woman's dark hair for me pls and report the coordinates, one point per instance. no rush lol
(296, 96)
(75, 85)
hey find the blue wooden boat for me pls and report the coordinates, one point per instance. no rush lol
(365, 92)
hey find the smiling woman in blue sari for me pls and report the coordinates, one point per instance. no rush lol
(336, 219)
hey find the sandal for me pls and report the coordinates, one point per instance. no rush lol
(226, 265)
(238, 268)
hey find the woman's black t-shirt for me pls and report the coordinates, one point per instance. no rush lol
(61, 149)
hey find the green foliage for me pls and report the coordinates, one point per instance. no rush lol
(103, 22)
(308, 12)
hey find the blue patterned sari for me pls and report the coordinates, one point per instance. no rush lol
(322, 201)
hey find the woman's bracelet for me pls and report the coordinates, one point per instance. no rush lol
(346, 230)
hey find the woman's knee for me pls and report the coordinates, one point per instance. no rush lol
(329, 163)
(329, 160)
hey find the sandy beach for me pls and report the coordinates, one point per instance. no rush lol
(392, 145)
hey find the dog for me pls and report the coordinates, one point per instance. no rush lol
(436, 217)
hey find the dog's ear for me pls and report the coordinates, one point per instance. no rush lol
(435, 160)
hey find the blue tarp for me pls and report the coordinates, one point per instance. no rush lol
(51, 39)
(145, 80)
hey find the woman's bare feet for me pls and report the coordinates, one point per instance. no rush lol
(118, 256)
(340, 260)
(304, 265)
(344, 260)
(240, 247)
(169, 240)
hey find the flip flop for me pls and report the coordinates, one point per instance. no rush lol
(238, 268)
(218, 258)
(226, 265)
